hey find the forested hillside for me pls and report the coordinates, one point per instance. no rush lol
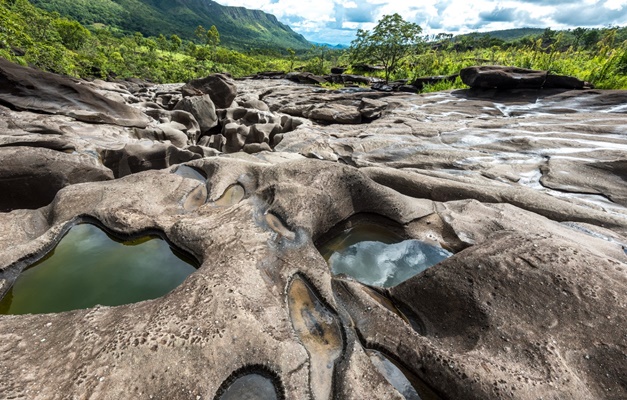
(240, 28)
(48, 41)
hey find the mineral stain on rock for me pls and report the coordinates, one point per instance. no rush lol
(319, 331)
(89, 267)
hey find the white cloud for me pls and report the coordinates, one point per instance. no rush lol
(336, 21)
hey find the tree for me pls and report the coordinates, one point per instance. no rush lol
(292, 57)
(213, 37)
(392, 39)
(578, 33)
(73, 35)
(201, 33)
(175, 42)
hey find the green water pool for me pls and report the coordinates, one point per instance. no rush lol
(89, 267)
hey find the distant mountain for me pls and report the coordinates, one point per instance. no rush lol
(239, 28)
(508, 34)
(332, 46)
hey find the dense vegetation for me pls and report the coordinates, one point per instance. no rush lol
(52, 42)
(598, 56)
(238, 26)
(31, 36)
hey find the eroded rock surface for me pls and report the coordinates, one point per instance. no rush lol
(523, 186)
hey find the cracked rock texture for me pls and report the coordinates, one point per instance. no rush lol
(526, 187)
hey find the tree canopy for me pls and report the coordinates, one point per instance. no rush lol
(388, 42)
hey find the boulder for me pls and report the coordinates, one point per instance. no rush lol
(263, 133)
(305, 77)
(490, 76)
(24, 88)
(254, 104)
(203, 110)
(338, 70)
(367, 68)
(564, 82)
(236, 135)
(185, 120)
(269, 75)
(335, 113)
(220, 88)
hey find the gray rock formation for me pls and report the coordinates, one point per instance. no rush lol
(28, 89)
(494, 76)
(219, 87)
(525, 187)
(202, 108)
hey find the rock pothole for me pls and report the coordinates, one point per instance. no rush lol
(90, 266)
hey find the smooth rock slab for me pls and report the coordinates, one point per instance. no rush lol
(28, 89)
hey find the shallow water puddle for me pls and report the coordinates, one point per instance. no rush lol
(407, 384)
(359, 233)
(89, 267)
(375, 256)
(190, 173)
(251, 387)
(231, 196)
(319, 331)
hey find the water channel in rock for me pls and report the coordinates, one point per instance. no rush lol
(89, 267)
(376, 256)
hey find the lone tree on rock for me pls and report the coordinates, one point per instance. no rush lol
(389, 41)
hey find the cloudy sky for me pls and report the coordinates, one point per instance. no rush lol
(335, 21)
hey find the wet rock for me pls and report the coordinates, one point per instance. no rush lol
(27, 89)
(602, 178)
(250, 387)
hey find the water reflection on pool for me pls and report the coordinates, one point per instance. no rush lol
(376, 256)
